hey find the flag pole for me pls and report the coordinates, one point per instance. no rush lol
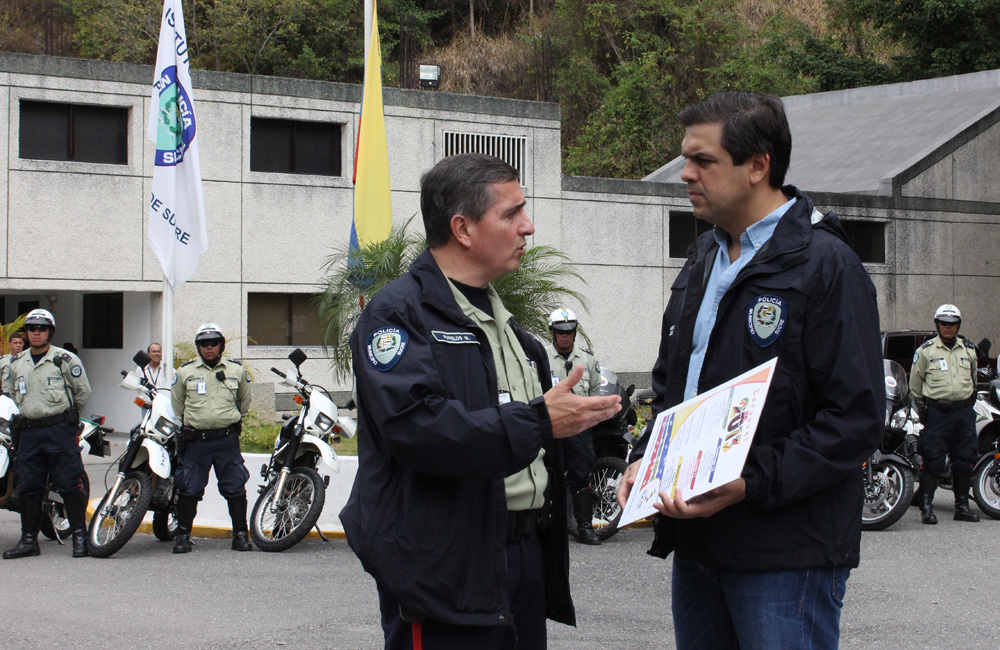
(168, 331)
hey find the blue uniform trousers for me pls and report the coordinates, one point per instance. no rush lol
(202, 455)
(52, 452)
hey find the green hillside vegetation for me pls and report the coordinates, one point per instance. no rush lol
(620, 69)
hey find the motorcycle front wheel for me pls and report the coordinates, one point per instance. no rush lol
(279, 524)
(887, 496)
(606, 478)
(54, 522)
(986, 488)
(119, 515)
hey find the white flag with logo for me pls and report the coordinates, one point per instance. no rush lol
(177, 231)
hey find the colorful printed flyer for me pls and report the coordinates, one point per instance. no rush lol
(700, 444)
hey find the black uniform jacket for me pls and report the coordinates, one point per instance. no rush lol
(826, 406)
(427, 514)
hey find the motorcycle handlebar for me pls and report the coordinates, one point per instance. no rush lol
(278, 372)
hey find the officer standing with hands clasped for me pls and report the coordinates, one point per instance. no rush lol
(50, 388)
(564, 355)
(943, 379)
(210, 395)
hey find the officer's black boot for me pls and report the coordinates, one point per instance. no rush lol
(187, 507)
(583, 511)
(928, 484)
(962, 510)
(31, 515)
(76, 512)
(238, 513)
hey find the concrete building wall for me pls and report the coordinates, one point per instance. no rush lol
(970, 173)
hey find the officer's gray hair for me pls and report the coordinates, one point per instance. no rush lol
(459, 184)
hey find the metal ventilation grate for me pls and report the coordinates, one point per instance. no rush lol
(508, 148)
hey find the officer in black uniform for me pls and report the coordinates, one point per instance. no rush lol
(211, 394)
(943, 381)
(50, 388)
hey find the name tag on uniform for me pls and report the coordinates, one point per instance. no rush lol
(202, 387)
(944, 364)
(555, 379)
(22, 387)
(504, 397)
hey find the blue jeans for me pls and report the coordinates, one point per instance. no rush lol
(757, 610)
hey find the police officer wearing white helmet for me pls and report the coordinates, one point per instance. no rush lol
(943, 379)
(50, 388)
(564, 355)
(211, 394)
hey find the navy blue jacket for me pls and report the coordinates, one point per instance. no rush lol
(825, 410)
(427, 514)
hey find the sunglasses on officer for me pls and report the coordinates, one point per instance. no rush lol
(36, 328)
(209, 344)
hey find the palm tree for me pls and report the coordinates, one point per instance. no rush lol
(354, 277)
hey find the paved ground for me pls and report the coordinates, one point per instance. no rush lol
(918, 587)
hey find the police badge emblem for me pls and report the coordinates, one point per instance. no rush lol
(386, 346)
(766, 319)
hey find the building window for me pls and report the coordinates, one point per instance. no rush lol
(292, 147)
(78, 133)
(282, 319)
(103, 320)
(507, 148)
(684, 229)
(867, 239)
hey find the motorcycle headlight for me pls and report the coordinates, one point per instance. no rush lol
(324, 422)
(165, 426)
(898, 419)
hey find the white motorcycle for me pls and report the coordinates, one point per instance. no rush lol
(986, 474)
(293, 493)
(54, 524)
(145, 472)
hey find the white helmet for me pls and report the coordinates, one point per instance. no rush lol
(208, 332)
(40, 317)
(562, 320)
(948, 313)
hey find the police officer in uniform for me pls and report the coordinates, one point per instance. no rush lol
(943, 379)
(564, 355)
(210, 395)
(17, 343)
(50, 388)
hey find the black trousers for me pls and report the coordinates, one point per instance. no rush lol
(52, 452)
(949, 433)
(526, 600)
(202, 455)
(580, 460)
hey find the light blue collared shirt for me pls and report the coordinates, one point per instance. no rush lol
(719, 281)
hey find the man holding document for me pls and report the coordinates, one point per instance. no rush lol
(762, 561)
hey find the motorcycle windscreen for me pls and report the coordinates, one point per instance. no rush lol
(896, 385)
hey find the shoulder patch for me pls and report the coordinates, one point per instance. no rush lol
(590, 352)
(66, 357)
(246, 378)
(76, 370)
(916, 357)
(237, 362)
(927, 343)
(188, 362)
(386, 346)
(175, 379)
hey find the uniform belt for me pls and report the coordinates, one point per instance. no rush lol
(521, 523)
(948, 405)
(43, 422)
(215, 434)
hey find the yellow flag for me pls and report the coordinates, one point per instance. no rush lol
(372, 198)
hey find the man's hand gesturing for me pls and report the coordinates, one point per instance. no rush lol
(570, 414)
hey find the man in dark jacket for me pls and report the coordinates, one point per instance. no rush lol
(763, 562)
(458, 510)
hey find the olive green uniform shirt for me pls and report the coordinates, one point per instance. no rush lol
(590, 384)
(519, 379)
(203, 402)
(44, 389)
(942, 373)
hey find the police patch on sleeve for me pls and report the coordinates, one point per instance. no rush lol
(386, 346)
(76, 371)
(766, 319)
(916, 357)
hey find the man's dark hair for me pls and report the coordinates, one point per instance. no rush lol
(751, 124)
(459, 184)
(19, 335)
(150, 346)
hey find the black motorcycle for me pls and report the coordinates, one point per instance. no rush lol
(612, 441)
(890, 472)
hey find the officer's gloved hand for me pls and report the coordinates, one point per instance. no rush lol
(920, 406)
